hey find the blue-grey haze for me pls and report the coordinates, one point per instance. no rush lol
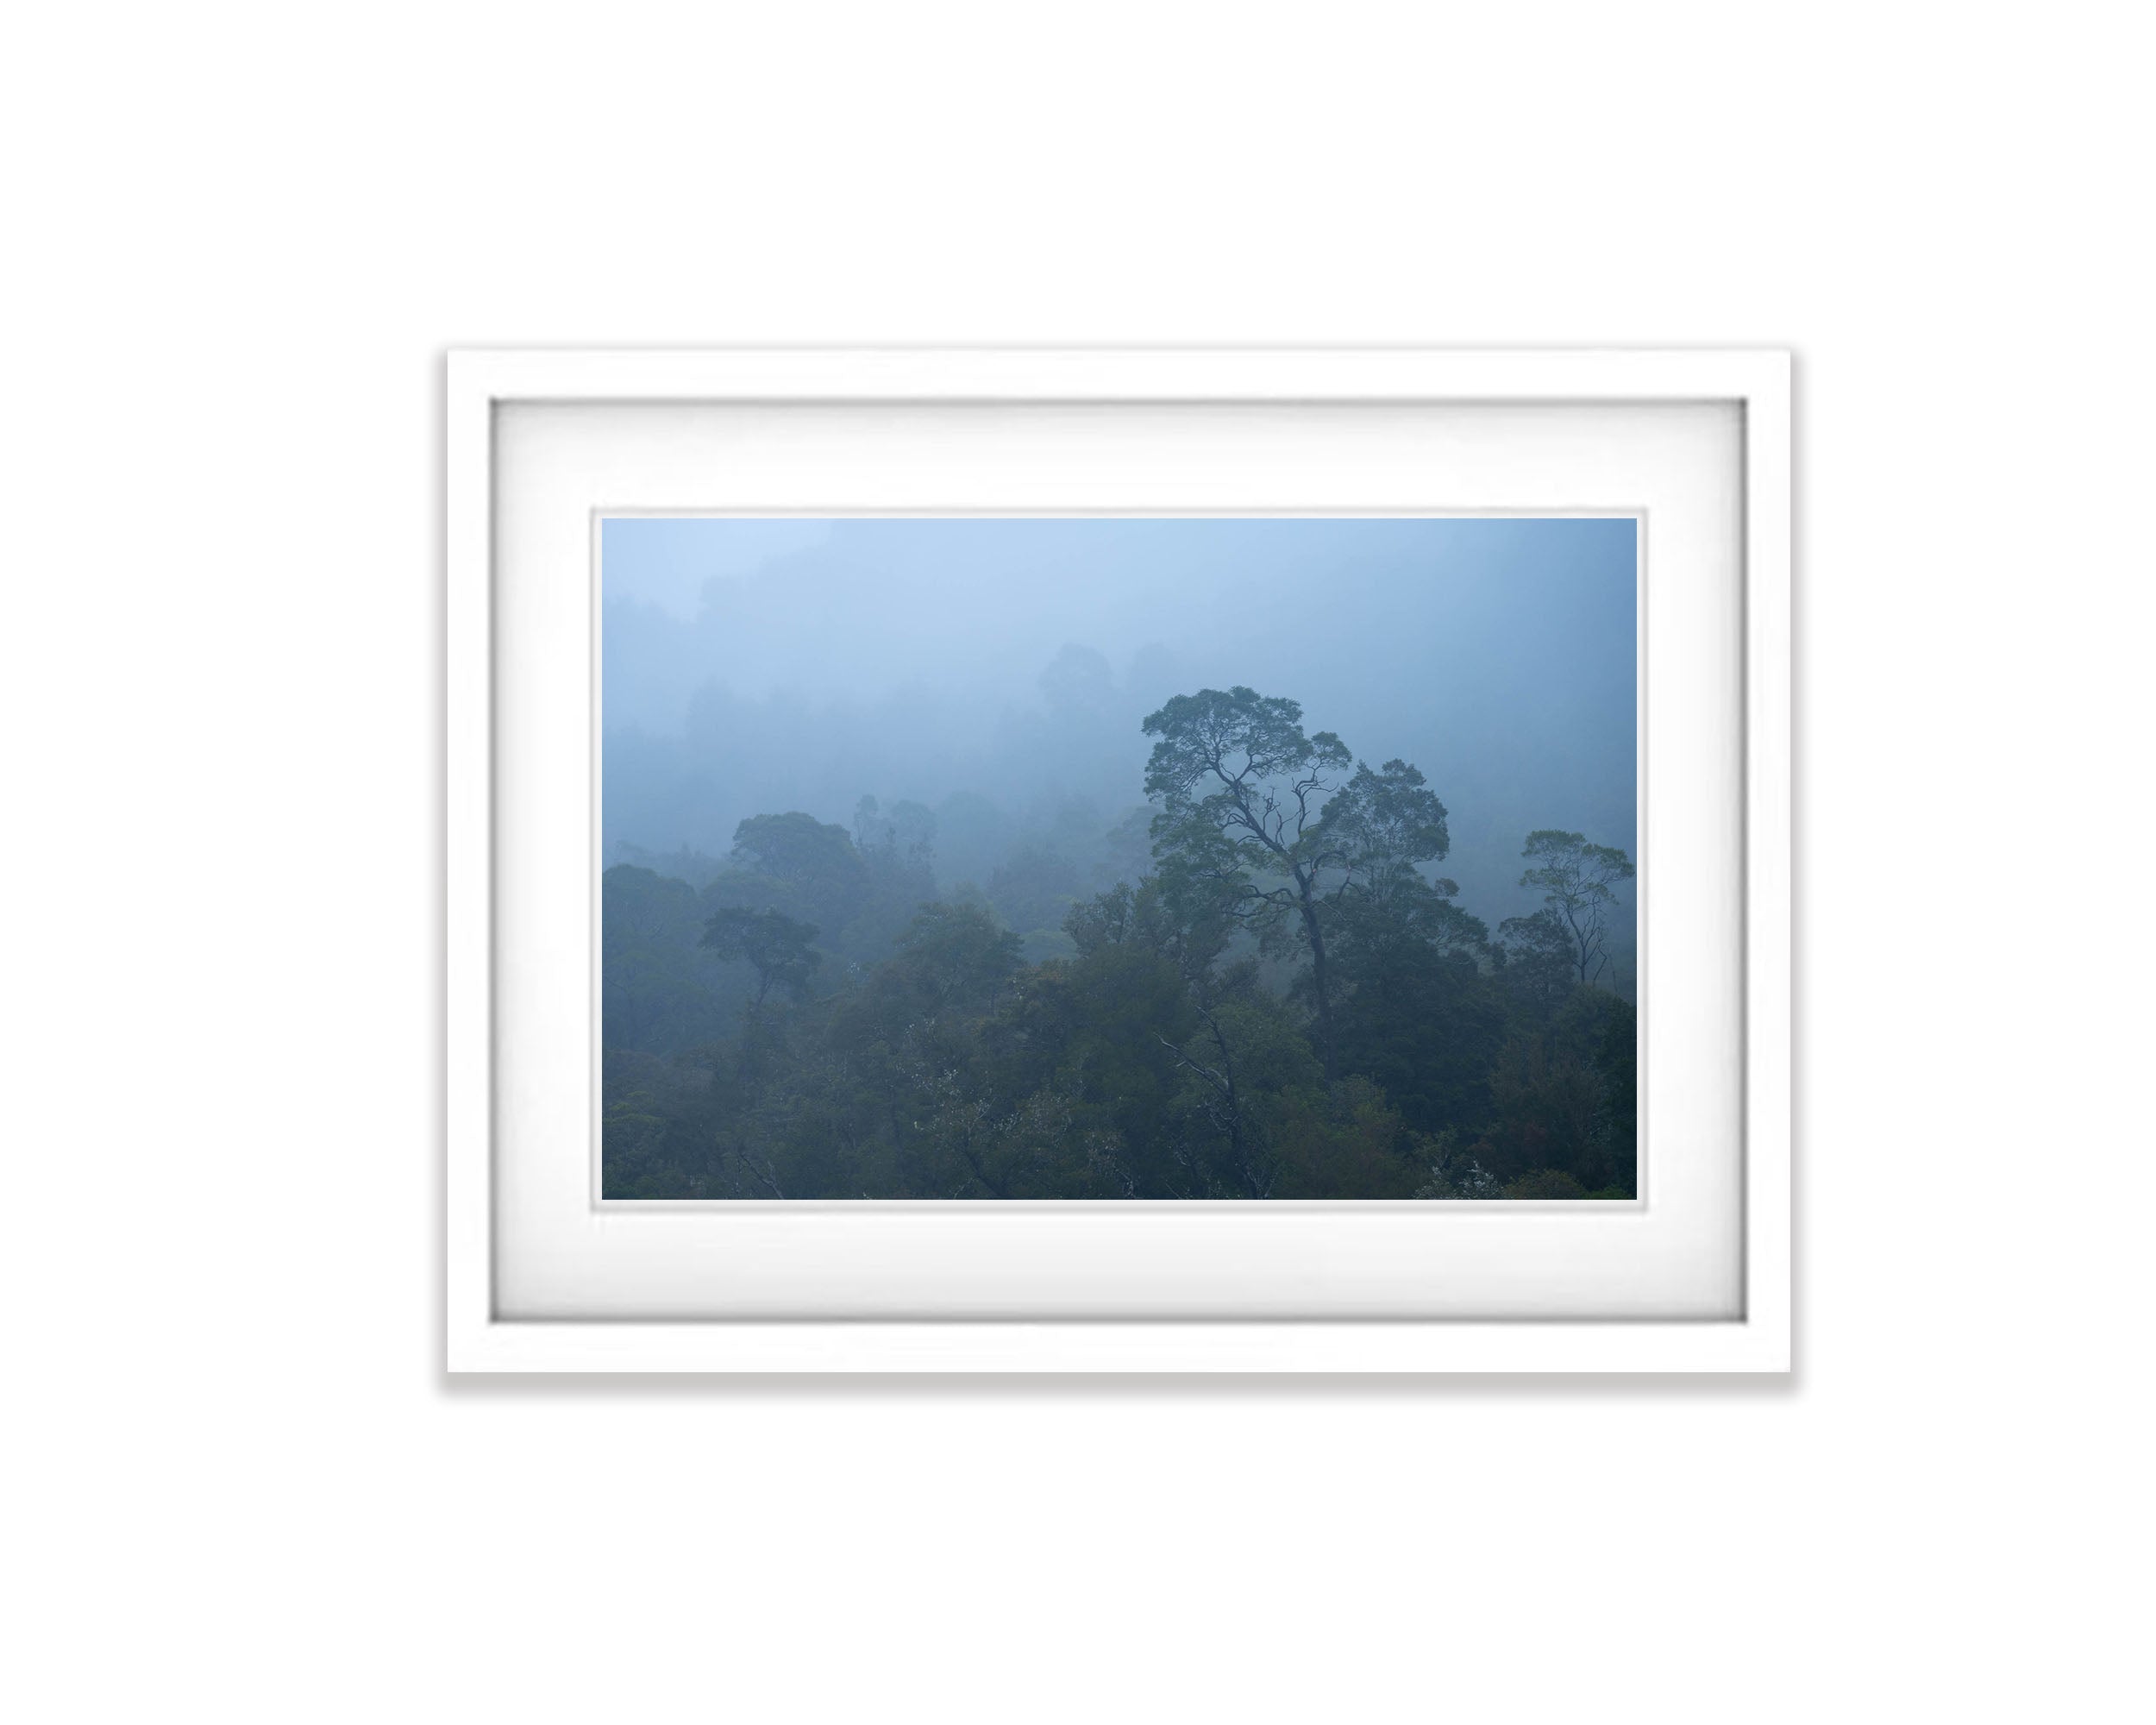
(998, 670)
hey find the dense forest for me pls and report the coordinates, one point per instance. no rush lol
(1253, 983)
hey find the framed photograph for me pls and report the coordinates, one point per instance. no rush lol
(1137, 861)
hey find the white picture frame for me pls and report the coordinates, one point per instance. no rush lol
(1561, 404)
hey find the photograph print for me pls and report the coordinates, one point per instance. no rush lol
(1118, 858)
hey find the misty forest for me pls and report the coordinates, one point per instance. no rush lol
(1118, 859)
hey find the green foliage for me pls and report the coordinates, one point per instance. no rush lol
(818, 859)
(1546, 1183)
(1289, 1003)
(956, 956)
(1386, 824)
(1452, 1173)
(1351, 1143)
(1577, 880)
(1423, 1021)
(772, 943)
(1241, 831)
(653, 995)
(1544, 1106)
(1241, 792)
(1185, 928)
(1615, 1058)
(1033, 892)
(1106, 920)
(1536, 954)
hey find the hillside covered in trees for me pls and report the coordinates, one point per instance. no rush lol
(1255, 983)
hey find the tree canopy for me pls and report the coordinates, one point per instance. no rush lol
(1578, 880)
(1257, 987)
(774, 945)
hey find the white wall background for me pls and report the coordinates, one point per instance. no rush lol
(239, 238)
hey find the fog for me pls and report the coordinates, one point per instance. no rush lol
(997, 672)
